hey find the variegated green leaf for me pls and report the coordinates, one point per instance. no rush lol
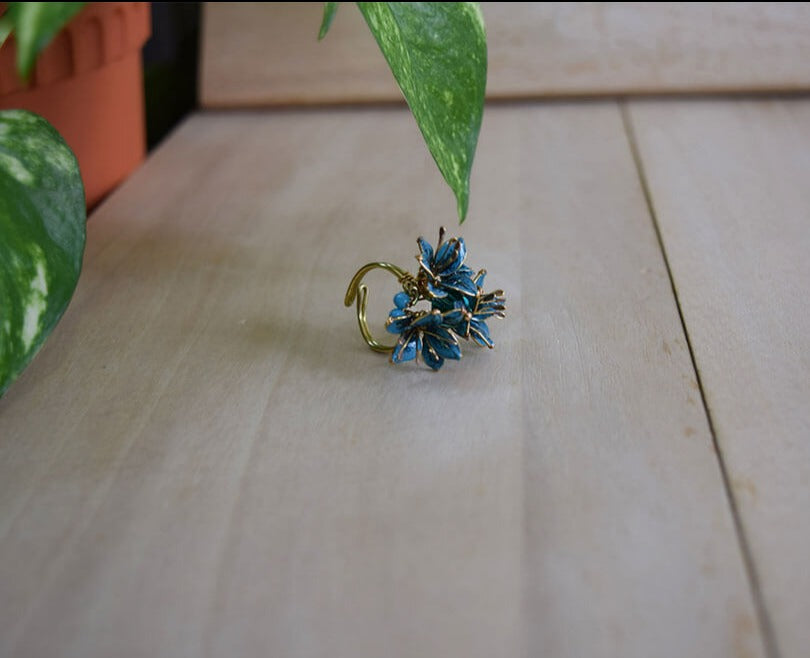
(329, 11)
(34, 25)
(437, 52)
(6, 26)
(42, 234)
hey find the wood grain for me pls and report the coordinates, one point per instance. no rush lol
(207, 460)
(730, 183)
(267, 53)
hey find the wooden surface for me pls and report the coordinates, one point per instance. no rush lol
(206, 460)
(731, 184)
(268, 54)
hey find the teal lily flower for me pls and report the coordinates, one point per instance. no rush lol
(422, 332)
(443, 273)
(459, 306)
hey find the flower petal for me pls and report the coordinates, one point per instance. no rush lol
(453, 316)
(460, 283)
(430, 357)
(479, 332)
(458, 322)
(442, 333)
(444, 348)
(425, 250)
(450, 256)
(398, 321)
(435, 290)
(493, 303)
(428, 322)
(444, 304)
(406, 347)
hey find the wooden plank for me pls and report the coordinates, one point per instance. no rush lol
(206, 458)
(267, 53)
(730, 184)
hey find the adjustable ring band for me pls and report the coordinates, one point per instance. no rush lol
(459, 308)
(360, 291)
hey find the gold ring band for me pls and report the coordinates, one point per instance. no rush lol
(359, 290)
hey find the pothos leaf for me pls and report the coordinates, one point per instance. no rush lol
(42, 235)
(437, 52)
(329, 11)
(5, 28)
(34, 25)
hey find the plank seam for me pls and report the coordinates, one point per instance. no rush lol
(765, 626)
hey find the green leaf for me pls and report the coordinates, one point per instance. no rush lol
(5, 28)
(35, 24)
(437, 52)
(329, 11)
(42, 234)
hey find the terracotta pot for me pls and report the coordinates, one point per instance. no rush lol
(89, 84)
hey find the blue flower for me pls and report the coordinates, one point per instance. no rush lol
(443, 273)
(459, 307)
(425, 332)
(467, 316)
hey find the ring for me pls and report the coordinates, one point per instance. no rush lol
(459, 307)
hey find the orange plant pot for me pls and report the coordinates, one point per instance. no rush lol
(89, 84)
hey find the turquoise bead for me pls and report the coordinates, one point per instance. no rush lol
(402, 300)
